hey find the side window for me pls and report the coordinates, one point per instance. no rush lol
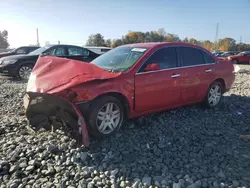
(208, 58)
(21, 51)
(58, 51)
(191, 56)
(165, 57)
(74, 51)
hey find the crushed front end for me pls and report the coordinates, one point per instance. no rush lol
(52, 112)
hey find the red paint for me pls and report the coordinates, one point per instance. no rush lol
(240, 58)
(145, 93)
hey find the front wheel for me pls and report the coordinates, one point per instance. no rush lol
(214, 95)
(106, 116)
(235, 61)
(24, 72)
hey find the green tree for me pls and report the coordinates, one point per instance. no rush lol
(95, 40)
(116, 42)
(108, 43)
(4, 39)
(170, 37)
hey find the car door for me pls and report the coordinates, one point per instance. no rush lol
(198, 73)
(77, 53)
(160, 88)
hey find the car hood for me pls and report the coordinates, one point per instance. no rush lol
(18, 57)
(54, 74)
(5, 53)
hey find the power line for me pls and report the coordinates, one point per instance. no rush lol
(240, 42)
(216, 36)
(37, 37)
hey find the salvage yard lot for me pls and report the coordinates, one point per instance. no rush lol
(188, 146)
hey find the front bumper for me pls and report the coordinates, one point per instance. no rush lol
(53, 106)
(8, 69)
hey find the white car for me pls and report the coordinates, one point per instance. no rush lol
(98, 49)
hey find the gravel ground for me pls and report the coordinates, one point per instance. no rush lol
(187, 147)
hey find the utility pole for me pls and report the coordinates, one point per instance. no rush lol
(216, 36)
(37, 37)
(240, 42)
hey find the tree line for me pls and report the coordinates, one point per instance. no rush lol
(223, 44)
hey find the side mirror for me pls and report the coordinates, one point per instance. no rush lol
(152, 67)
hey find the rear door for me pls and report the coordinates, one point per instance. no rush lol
(246, 58)
(161, 88)
(198, 73)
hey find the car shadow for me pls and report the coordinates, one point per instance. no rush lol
(12, 79)
(188, 141)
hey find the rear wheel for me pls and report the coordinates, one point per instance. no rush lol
(24, 71)
(106, 116)
(214, 95)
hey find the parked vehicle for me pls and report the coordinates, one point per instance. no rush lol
(20, 50)
(21, 65)
(126, 82)
(98, 49)
(243, 57)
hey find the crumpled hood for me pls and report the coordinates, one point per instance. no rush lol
(53, 74)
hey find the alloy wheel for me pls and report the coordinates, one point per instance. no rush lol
(108, 118)
(24, 72)
(214, 95)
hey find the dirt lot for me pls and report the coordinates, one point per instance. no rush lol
(187, 147)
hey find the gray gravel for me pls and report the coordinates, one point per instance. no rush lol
(187, 147)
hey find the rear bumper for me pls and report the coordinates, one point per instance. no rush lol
(54, 106)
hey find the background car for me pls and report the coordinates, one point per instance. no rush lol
(243, 57)
(20, 50)
(98, 49)
(130, 81)
(21, 65)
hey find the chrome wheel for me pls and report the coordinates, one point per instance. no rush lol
(108, 118)
(24, 72)
(214, 95)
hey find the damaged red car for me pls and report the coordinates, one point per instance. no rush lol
(126, 82)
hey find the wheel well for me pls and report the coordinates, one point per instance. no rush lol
(120, 97)
(222, 81)
(26, 63)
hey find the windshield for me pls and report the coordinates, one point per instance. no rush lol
(39, 50)
(120, 59)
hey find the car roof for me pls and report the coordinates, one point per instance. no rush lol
(28, 47)
(159, 44)
(55, 45)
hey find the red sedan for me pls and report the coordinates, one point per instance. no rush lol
(126, 82)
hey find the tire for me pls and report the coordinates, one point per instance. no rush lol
(235, 61)
(24, 71)
(212, 99)
(101, 109)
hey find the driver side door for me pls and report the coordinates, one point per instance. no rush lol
(160, 88)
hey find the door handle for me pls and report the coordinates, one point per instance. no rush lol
(208, 70)
(175, 75)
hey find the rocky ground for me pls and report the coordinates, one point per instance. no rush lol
(187, 147)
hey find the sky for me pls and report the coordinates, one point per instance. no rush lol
(71, 22)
